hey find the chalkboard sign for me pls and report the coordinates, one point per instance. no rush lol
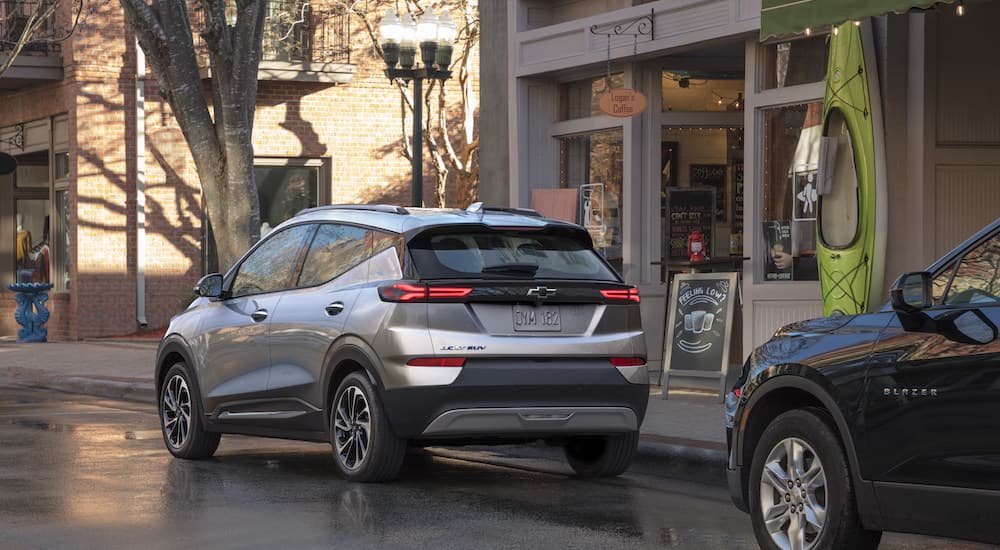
(699, 325)
(714, 176)
(688, 208)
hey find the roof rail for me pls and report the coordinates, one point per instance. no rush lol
(509, 210)
(384, 208)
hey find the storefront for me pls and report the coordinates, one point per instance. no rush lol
(742, 116)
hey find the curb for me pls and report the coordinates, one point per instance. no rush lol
(139, 390)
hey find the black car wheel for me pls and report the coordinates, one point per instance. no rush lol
(801, 493)
(180, 417)
(364, 446)
(601, 456)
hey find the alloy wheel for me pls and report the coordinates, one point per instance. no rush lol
(176, 411)
(352, 427)
(793, 496)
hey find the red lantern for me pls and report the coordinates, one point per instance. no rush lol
(696, 246)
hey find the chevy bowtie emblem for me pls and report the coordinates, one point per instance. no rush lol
(541, 292)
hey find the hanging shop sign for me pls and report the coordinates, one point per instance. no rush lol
(622, 102)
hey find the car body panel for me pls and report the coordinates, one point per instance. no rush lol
(912, 394)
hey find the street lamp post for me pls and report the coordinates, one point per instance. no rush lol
(399, 38)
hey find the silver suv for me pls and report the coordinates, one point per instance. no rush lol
(371, 327)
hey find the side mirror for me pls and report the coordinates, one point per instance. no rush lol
(209, 286)
(912, 292)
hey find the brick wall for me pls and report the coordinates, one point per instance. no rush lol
(356, 126)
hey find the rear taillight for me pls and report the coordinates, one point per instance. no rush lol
(627, 361)
(416, 292)
(629, 294)
(436, 362)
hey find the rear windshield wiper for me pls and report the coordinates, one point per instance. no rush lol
(514, 269)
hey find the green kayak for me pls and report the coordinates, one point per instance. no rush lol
(852, 211)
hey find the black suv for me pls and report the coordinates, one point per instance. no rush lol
(843, 427)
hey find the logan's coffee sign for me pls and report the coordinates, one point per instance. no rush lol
(622, 102)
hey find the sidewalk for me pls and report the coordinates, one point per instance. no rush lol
(680, 437)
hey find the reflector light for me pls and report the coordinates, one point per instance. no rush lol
(630, 294)
(436, 362)
(448, 292)
(627, 361)
(738, 392)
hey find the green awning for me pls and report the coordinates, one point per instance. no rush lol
(781, 17)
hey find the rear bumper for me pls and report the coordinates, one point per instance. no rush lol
(498, 398)
(528, 420)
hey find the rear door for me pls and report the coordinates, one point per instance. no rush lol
(934, 388)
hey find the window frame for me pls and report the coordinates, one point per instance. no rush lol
(230, 279)
(369, 243)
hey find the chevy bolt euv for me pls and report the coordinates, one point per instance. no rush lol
(373, 327)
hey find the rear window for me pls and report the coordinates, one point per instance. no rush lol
(507, 254)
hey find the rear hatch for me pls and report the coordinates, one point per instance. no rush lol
(503, 291)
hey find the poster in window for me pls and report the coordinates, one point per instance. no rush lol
(714, 176)
(778, 238)
(805, 196)
(738, 195)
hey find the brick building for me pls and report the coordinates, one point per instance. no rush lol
(328, 129)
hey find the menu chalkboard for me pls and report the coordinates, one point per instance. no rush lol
(714, 176)
(699, 326)
(688, 208)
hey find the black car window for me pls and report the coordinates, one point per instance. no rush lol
(335, 249)
(977, 278)
(271, 265)
(941, 283)
(510, 253)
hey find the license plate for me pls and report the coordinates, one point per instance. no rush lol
(537, 318)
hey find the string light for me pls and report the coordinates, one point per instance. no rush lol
(960, 9)
(836, 30)
(809, 31)
(857, 23)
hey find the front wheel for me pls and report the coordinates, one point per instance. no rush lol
(180, 417)
(601, 456)
(801, 492)
(364, 446)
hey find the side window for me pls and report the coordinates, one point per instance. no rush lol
(941, 283)
(270, 267)
(977, 279)
(335, 249)
(387, 257)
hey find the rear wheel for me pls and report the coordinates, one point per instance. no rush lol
(801, 492)
(364, 446)
(181, 419)
(601, 456)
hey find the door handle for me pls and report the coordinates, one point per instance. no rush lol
(334, 308)
(259, 315)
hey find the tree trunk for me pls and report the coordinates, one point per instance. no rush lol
(220, 145)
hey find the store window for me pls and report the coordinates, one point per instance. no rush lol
(579, 99)
(794, 62)
(284, 191)
(590, 175)
(285, 188)
(788, 202)
(702, 91)
(31, 246)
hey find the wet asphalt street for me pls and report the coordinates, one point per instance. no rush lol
(82, 472)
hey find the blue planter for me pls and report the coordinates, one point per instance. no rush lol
(31, 312)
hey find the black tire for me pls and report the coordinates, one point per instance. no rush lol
(810, 435)
(184, 435)
(601, 456)
(383, 456)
